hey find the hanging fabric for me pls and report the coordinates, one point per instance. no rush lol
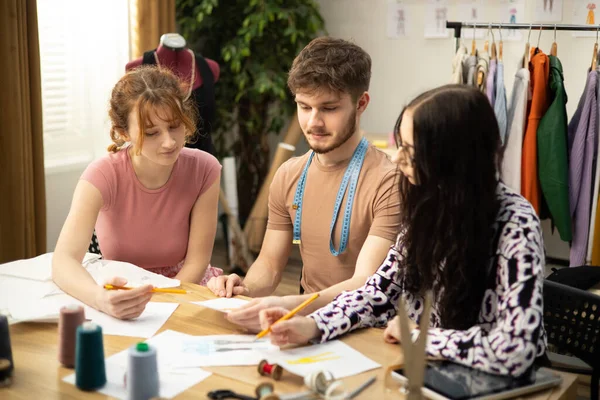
(539, 71)
(458, 76)
(483, 63)
(593, 253)
(552, 155)
(581, 139)
(515, 129)
(500, 96)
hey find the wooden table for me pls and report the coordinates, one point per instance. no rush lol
(38, 375)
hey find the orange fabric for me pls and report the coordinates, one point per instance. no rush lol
(539, 69)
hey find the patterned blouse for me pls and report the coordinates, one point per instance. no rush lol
(509, 334)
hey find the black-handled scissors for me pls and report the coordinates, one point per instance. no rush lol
(228, 394)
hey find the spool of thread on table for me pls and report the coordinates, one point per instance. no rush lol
(90, 372)
(264, 391)
(5, 352)
(71, 317)
(324, 384)
(272, 370)
(142, 373)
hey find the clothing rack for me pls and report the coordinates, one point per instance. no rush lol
(457, 26)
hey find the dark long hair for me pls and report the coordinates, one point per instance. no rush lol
(448, 216)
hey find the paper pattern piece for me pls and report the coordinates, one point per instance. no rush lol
(146, 325)
(223, 304)
(335, 356)
(548, 10)
(397, 20)
(436, 15)
(223, 350)
(172, 381)
(585, 13)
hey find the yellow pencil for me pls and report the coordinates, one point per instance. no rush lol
(154, 290)
(289, 315)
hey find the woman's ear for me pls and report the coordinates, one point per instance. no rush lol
(123, 134)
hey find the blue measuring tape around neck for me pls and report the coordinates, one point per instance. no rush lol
(350, 178)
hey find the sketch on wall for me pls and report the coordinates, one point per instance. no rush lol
(397, 20)
(585, 13)
(548, 11)
(436, 16)
(512, 12)
(472, 11)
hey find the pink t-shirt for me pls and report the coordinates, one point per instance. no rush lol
(148, 228)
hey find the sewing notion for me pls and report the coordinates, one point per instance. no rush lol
(71, 316)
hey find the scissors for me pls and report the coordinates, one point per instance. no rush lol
(315, 359)
(228, 394)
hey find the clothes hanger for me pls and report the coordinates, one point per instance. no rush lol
(554, 49)
(494, 52)
(526, 55)
(486, 44)
(595, 55)
(537, 46)
(500, 45)
(473, 43)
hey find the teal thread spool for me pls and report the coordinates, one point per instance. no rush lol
(90, 372)
(264, 391)
(142, 373)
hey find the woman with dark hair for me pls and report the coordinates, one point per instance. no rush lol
(466, 236)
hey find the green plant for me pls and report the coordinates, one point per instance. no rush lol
(254, 42)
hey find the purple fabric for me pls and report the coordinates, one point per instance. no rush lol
(583, 130)
(490, 89)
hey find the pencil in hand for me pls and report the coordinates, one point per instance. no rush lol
(288, 315)
(154, 290)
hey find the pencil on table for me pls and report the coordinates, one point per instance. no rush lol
(154, 290)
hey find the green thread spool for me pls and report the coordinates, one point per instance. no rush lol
(90, 372)
(264, 391)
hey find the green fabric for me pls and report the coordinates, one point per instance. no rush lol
(553, 166)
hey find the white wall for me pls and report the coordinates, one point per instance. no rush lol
(405, 67)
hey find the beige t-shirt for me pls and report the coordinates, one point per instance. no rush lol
(375, 211)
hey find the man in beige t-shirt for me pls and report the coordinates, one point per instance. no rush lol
(329, 78)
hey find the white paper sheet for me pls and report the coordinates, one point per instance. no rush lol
(144, 326)
(172, 381)
(223, 350)
(335, 356)
(223, 304)
(40, 269)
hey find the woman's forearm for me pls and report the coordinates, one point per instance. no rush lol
(73, 279)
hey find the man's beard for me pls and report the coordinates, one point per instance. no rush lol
(341, 138)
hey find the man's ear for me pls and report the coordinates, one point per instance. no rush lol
(363, 102)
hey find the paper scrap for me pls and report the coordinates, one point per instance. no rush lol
(222, 304)
(172, 381)
(335, 356)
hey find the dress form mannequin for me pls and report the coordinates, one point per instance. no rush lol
(170, 54)
(173, 54)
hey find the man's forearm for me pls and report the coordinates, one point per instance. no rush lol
(261, 280)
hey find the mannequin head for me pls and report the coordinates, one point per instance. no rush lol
(148, 109)
(330, 79)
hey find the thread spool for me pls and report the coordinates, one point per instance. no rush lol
(71, 317)
(324, 384)
(264, 391)
(272, 370)
(142, 372)
(5, 352)
(90, 372)
(4, 367)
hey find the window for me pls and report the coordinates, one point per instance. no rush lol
(84, 46)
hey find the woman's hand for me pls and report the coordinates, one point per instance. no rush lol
(296, 330)
(123, 304)
(248, 315)
(392, 332)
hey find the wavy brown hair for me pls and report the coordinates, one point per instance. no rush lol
(331, 64)
(448, 216)
(144, 89)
